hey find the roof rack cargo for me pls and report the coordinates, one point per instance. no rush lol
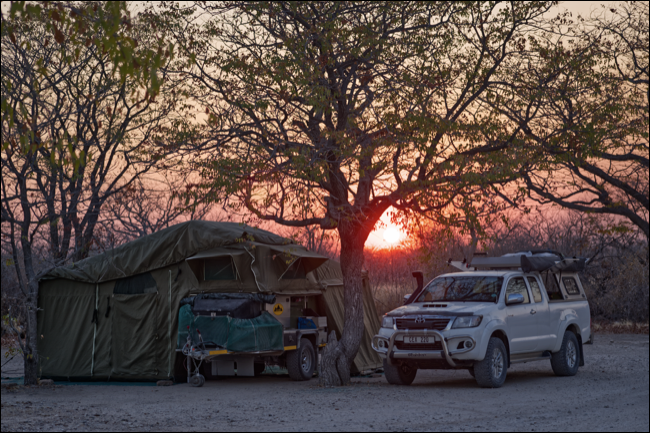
(528, 261)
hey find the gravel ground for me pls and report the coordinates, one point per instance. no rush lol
(609, 394)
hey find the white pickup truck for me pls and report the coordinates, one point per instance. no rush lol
(499, 311)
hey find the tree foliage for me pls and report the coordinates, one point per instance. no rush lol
(329, 113)
(81, 107)
(580, 98)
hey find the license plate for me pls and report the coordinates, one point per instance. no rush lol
(418, 339)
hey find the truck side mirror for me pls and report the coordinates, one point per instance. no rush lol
(515, 298)
(406, 298)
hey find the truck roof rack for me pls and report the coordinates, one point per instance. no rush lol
(527, 261)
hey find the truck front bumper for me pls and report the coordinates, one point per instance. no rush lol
(385, 346)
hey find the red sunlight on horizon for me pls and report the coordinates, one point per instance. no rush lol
(386, 234)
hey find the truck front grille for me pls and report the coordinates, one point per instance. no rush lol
(431, 346)
(436, 324)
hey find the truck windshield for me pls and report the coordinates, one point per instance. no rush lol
(462, 289)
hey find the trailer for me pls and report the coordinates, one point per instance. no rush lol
(244, 333)
(260, 298)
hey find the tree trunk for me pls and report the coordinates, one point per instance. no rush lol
(31, 336)
(339, 355)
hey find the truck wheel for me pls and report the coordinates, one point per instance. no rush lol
(399, 374)
(492, 371)
(567, 360)
(302, 362)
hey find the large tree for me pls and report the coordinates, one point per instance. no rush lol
(330, 113)
(580, 98)
(77, 125)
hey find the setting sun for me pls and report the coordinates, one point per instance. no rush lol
(392, 235)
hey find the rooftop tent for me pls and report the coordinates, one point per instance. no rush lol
(166, 247)
(531, 262)
(554, 264)
(496, 262)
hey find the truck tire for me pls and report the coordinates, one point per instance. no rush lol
(567, 360)
(492, 371)
(302, 362)
(399, 374)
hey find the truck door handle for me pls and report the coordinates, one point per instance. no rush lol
(533, 312)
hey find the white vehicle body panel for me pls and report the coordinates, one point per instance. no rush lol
(531, 328)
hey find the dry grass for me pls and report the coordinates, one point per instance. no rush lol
(625, 327)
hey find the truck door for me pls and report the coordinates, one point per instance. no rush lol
(522, 325)
(545, 341)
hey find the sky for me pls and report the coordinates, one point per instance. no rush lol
(389, 235)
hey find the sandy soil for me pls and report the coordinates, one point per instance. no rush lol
(609, 394)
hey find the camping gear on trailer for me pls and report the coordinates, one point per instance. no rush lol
(115, 315)
(262, 333)
(237, 308)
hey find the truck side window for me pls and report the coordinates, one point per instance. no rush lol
(518, 285)
(571, 286)
(552, 288)
(534, 286)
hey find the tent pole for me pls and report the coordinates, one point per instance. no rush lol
(92, 361)
(169, 364)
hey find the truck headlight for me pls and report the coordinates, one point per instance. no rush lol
(467, 322)
(387, 322)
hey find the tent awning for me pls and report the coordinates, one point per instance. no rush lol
(310, 260)
(217, 252)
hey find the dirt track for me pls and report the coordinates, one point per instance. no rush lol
(609, 394)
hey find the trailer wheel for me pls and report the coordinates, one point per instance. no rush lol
(302, 362)
(197, 380)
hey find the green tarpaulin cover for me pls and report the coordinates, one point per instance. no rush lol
(262, 333)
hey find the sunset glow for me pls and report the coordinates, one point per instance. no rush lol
(392, 235)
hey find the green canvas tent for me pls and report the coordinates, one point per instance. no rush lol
(330, 278)
(115, 315)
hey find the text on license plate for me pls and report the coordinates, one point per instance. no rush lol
(419, 340)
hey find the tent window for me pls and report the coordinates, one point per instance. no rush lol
(295, 272)
(136, 285)
(571, 286)
(219, 269)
